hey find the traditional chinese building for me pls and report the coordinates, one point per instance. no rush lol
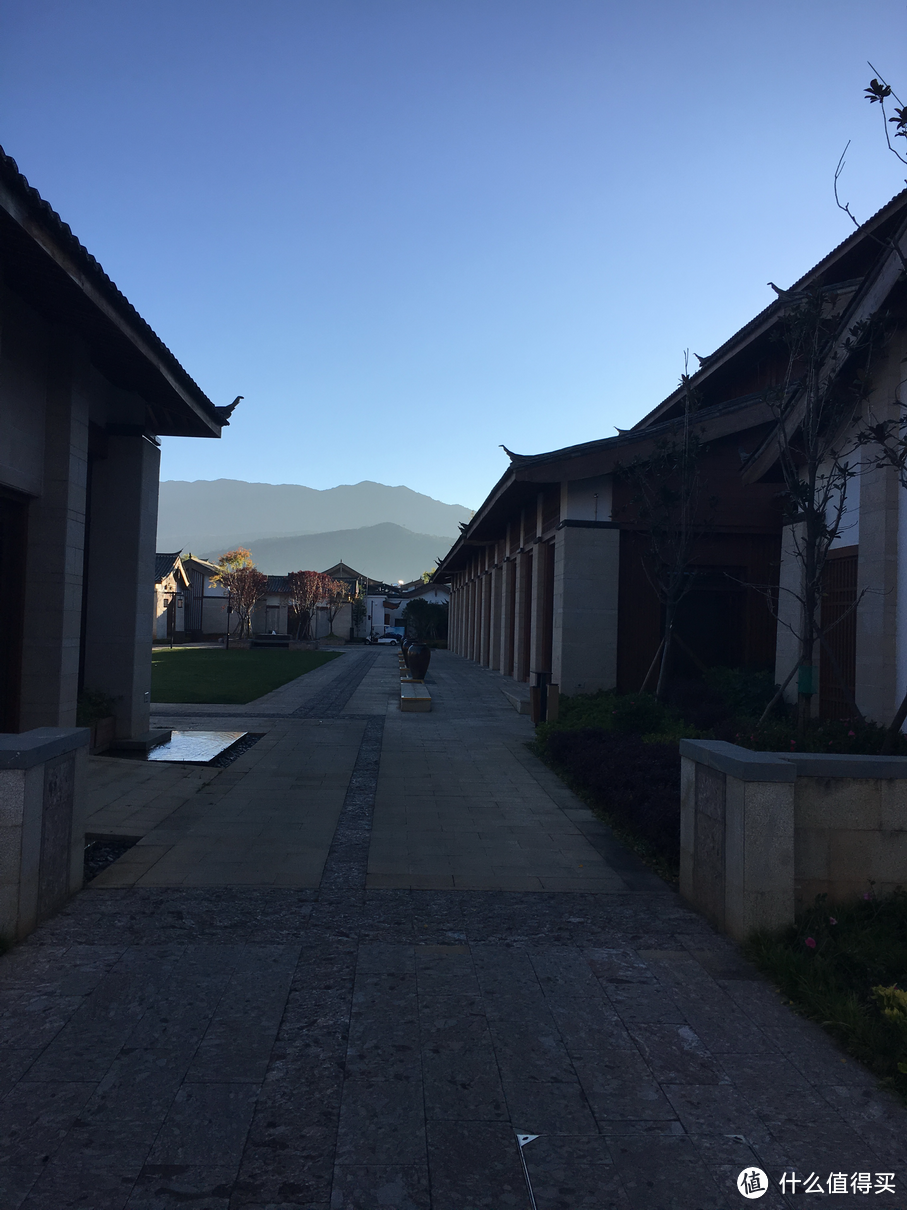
(550, 576)
(86, 391)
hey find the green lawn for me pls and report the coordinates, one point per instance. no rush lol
(230, 678)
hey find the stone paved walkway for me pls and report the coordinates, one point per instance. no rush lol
(410, 941)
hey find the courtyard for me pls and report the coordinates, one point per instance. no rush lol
(345, 970)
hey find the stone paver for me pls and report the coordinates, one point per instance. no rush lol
(351, 1045)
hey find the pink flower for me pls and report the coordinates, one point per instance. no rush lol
(867, 894)
(811, 942)
(831, 920)
(851, 732)
(793, 743)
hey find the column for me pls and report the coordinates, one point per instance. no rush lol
(542, 590)
(485, 619)
(471, 643)
(453, 628)
(790, 587)
(508, 606)
(494, 653)
(119, 600)
(522, 636)
(877, 693)
(584, 630)
(52, 616)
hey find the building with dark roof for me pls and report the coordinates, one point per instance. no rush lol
(86, 391)
(171, 597)
(549, 576)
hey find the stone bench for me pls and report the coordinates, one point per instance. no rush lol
(414, 697)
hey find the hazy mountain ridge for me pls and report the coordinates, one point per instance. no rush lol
(222, 513)
(385, 551)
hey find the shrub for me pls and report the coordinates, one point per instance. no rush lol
(844, 967)
(745, 692)
(635, 782)
(609, 711)
(92, 706)
(726, 704)
(822, 735)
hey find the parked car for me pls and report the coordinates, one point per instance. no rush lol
(388, 640)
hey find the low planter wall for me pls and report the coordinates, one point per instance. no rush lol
(42, 826)
(763, 833)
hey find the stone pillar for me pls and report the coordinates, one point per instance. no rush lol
(477, 618)
(453, 623)
(790, 587)
(877, 691)
(54, 563)
(123, 526)
(586, 580)
(485, 619)
(473, 619)
(522, 630)
(540, 657)
(508, 602)
(494, 651)
(464, 619)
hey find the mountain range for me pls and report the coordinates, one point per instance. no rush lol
(385, 552)
(389, 533)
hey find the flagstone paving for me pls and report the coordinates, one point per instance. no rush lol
(453, 950)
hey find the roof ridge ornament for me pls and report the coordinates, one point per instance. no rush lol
(224, 414)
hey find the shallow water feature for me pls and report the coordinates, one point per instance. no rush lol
(195, 747)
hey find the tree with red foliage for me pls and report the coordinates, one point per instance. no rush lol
(307, 589)
(337, 596)
(244, 583)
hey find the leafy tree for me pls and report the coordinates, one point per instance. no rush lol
(885, 441)
(335, 597)
(815, 404)
(426, 619)
(667, 494)
(307, 590)
(245, 585)
(357, 610)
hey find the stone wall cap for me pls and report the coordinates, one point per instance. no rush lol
(31, 748)
(738, 762)
(844, 764)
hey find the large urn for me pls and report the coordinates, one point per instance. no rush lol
(418, 656)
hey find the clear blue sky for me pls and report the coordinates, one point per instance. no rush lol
(409, 230)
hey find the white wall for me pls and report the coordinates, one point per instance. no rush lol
(376, 611)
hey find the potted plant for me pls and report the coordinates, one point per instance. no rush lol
(97, 711)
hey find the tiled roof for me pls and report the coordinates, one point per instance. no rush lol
(776, 308)
(164, 565)
(62, 235)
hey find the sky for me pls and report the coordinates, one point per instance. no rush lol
(409, 231)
